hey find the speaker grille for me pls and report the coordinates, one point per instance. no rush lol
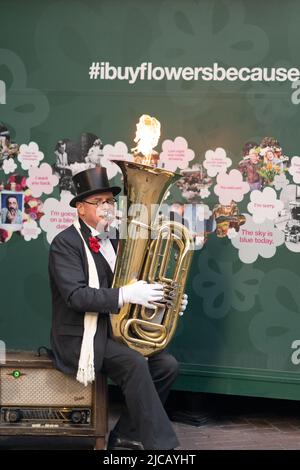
(41, 387)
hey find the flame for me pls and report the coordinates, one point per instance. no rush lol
(146, 137)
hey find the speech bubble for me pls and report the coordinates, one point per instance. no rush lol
(264, 205)
(118, 151)
(216, 161)
(204, 193)
(255, 240)
(9, 166)
(58, 215)
(280, 182)
(231, 187)
(41, 180)
(30, 155)
(30, 230)
(175, 154)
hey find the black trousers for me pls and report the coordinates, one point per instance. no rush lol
(145, 385)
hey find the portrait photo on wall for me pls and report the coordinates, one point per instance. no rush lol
(288, 219)
(72, 157)
(262, 162)
(12, 208)
(8, 149)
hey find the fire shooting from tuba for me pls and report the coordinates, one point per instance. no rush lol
(153, 251)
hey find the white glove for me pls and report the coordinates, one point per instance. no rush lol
(183, 304)
(142, 293)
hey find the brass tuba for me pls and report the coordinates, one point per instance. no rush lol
(160, 252)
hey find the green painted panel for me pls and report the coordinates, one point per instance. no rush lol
(243, 316)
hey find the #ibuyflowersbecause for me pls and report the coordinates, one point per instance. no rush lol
(148, 71)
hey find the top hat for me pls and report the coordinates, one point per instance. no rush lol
(91, 181)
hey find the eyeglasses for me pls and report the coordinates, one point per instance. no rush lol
(110, 201)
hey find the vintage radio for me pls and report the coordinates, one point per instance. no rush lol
(37, 399)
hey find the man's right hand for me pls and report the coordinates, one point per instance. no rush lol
(11, 214)
(142, 293)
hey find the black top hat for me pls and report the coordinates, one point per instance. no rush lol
(91, 181)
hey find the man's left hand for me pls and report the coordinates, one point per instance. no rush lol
(183, 304)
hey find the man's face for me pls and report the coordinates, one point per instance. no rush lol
(96, 216)
(253, 156)
(12, 204)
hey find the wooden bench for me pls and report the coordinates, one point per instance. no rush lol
(36, 399)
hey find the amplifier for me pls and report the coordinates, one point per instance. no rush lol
(37, 399)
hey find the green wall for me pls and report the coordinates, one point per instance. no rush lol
(242, 319)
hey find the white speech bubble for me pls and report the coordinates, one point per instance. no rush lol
(231, 187)
(30, 155)
(255, 240)
(176, 154)
(204, 193)
(9, 166)
(58, 215)
(119, 151)
(231, 233)
(264, 205)
(41, 180)
(30, 230)
(216, 161)
(294, 169)
(280, 182)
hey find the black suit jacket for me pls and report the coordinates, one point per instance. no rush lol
(72, 297)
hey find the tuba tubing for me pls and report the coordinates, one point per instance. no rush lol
(165, 259)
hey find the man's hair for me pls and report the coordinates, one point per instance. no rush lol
(248, 146)
(11, 197)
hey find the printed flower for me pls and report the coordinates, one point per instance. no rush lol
(273, 327)
(294, 169)
(9, 166)
(94, 244)
(41, 180)
(118, 151)
(216, 161)
(222, 287)
(30, 230)
(176, 154)
(25, 107)
(181, 28)
(231, 233)
(204, 193)
(30, 155)
(280, 182)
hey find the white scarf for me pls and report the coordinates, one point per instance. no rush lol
(86, 370)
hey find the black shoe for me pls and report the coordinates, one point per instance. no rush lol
(116, 442)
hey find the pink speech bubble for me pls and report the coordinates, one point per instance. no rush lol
(231, 187)
(216, 161)
(176, 154)
(119, 151)
(41, 180)
(264, 205)
(58, 215)
(30, 230)
(30, 155)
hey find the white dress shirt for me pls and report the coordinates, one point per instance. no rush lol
(107, 250)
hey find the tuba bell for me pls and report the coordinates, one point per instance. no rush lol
(154, 252)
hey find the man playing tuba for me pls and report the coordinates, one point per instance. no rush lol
(81, 266)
